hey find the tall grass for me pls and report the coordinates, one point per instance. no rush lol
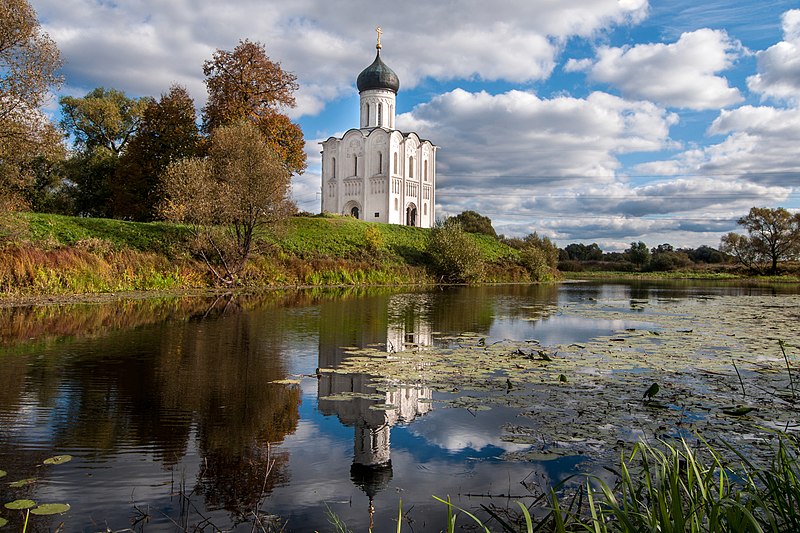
(668, 488)
(29, 269)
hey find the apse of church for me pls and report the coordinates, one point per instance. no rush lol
(377, 173)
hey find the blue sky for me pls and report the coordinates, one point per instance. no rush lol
(605, 121)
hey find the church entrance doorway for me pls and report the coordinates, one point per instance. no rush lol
(353, 209)
(411, 215)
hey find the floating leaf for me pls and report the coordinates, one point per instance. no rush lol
(738, 411)
(50, 508)
(3, 473)
(285, 382)
(58, 460)
(562, 378)
(22, 483)
(3, 522)
(20, 504)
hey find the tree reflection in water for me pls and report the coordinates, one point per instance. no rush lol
(191, 383)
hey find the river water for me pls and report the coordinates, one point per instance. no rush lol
(196, 414)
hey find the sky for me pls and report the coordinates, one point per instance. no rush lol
(607, 121)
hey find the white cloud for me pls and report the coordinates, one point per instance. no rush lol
(682, 74)
(526, 139)
(760, 148)
(779, 65)
(143, 46)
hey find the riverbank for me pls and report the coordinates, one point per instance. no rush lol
(53, 255)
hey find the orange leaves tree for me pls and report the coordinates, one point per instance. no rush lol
(29, 64)
(240, 188)
(247, 84)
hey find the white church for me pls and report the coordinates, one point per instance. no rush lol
(377, 173)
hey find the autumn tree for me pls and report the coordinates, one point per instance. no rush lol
(167, 132)
(773, 235)
(247, 84)
(242, 186)
(29, 64)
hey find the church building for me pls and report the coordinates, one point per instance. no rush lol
(377, 173)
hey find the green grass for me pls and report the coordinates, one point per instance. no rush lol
(61, 254)
(67, 231)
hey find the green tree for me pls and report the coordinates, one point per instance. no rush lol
(773, 235)
(103, 118)
(454, 255)
(638, 254)
(474, 222)
(167, 132)
(102, 123)
(583, 252)
(246, 84)
(242, 186)
(29, 64)
(705, 254)
(91, 172)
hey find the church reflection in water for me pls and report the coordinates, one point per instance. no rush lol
(405, 326)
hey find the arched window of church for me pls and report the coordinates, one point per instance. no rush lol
(380, 114)
(396, 205)
(410, 167)
(367, 115)
(355, 165)
(425, 209)
(333, 167)
(426, 170)
(380, 162)
(395, 162)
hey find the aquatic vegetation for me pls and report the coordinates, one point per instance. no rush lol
(31, 507)
(713, 366)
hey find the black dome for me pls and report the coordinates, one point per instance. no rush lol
(378, 76)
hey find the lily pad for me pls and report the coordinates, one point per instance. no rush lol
(20, 504)
(50, 508)
(22, 483)
(3, 522)
(738, 411)
(58, 460)
(3, 473)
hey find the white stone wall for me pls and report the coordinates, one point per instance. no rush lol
(378, 170)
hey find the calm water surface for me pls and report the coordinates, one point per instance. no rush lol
(173, 415)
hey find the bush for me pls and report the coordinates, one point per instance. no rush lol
(666, 261)
(539, 256)
(454, 257)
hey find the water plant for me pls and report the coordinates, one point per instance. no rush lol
(31, 507)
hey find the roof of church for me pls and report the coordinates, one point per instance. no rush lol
(378, 76)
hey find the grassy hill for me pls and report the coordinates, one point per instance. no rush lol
(54, 254)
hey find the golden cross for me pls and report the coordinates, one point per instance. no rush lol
(380, 31)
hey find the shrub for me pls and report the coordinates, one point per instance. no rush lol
(539, 256)
(454, 256)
